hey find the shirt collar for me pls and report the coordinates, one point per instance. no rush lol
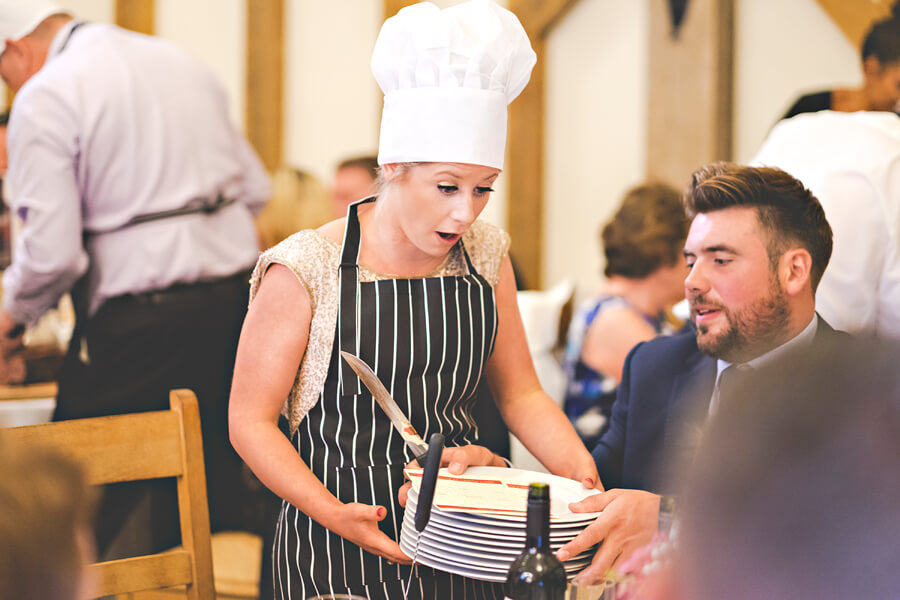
(799, 341)
(61, 37)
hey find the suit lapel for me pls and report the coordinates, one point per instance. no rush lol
(688, 406)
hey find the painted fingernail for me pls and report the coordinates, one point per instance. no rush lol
(589, 482)
(380, 512)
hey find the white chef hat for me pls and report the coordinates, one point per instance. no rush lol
(18, 18)
(447, 76)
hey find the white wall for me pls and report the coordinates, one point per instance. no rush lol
(99, 11)
(221, 43)
(783, 49)
(595, 128)
(332, 102)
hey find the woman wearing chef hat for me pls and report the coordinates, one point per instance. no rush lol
(417, 288)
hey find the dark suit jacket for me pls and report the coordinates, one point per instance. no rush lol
(661, 405)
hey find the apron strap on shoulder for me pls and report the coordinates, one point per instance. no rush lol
(348, 313)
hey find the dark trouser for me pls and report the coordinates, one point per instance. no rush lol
(138, 347)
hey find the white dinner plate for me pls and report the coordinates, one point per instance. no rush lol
(497, 573)
(500, 529)
(501, 538)
(500, 547)
(458, 550)
(562, 493)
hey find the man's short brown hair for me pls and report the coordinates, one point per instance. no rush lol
(367, 163)
(788, 212)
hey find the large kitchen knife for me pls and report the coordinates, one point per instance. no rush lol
(387, 404)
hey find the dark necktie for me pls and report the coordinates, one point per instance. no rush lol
(733, 381)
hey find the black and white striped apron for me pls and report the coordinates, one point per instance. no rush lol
(428, 340)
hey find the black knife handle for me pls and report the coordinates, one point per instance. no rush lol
(429, 480)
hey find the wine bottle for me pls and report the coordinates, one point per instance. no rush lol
(536, 574)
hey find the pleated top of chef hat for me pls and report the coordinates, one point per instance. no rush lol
(447, 77)
(18, 18)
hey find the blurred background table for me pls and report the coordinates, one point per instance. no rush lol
(27, 404)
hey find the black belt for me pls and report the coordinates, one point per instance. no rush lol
(194, 206)
(179, 291)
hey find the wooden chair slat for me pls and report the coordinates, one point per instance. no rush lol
(144, 572)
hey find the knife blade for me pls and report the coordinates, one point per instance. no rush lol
(413, 440)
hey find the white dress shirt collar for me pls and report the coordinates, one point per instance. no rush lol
(798, 342)
(62, 37)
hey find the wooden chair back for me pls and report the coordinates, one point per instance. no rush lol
(136, 447)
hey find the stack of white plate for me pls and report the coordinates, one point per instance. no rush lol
(483, 545)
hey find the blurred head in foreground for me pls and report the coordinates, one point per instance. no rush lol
(795, 493)
(46, 541)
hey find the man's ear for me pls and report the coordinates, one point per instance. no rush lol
(794, 270)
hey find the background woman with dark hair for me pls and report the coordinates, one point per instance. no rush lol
(644, 275)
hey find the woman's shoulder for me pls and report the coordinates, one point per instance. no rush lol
(312, 257)
(482, 232)
(300, 247)
(486, 245)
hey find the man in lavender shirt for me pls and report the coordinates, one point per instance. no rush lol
(137, 196)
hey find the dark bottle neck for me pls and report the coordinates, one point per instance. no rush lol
(537, 524)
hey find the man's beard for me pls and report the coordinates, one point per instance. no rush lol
(752, 331)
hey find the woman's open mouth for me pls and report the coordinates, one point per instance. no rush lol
(449, 237)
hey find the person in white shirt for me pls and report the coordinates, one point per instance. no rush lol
(851, 163)
(137, 196)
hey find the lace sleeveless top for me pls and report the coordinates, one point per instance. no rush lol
(314, 259)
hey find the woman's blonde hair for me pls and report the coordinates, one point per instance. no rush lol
(299, 201)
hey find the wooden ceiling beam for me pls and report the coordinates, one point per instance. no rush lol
(539, 16)
(525, 146)
(392, 7)
(855, 17)
(265, 79)
(690, 89)
(136, 15)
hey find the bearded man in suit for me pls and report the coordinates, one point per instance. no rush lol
(757, 248)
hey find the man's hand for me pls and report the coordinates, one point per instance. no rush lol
(10, 335)
(12, 365)
(457, 460)
(628, 522)
(12, 370)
